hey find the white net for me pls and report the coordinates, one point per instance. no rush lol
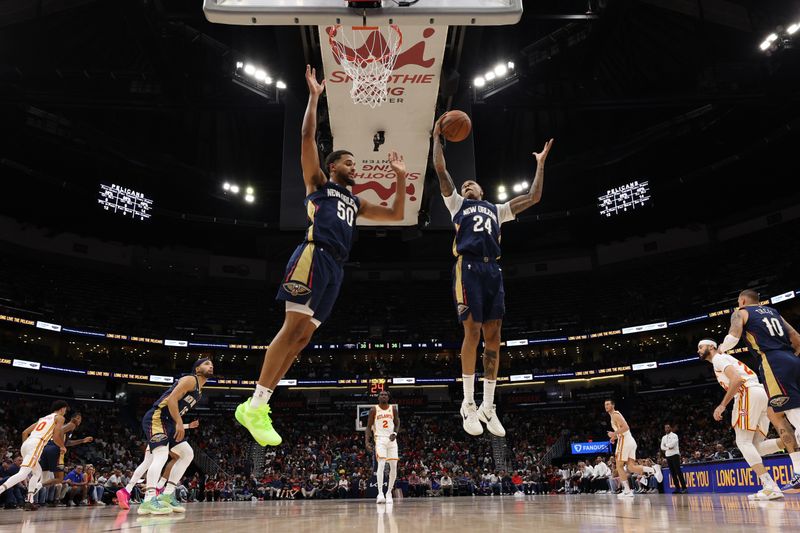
(368, 55)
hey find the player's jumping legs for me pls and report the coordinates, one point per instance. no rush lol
(469, 355)
(491, 365)
(254, 414)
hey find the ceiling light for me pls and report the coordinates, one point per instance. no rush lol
(260, 75)
(517, 187)
(249, 190)
(500, 69)
(479, 81)
(226, 186)
(793, 28)
(235, 189)
(489, 75)
(510, 65)
(279, 85)
(249, 198)
(501, 188)
(502, 196)
(249, 69)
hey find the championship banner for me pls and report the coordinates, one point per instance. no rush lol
(731, 476)
(406, 118)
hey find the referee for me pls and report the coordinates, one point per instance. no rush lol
(669, 445)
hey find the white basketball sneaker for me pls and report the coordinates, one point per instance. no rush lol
(381, 498)
(659, 474)
(488, 416)
(389, 499)
(766, 494)
(625, 494)
(470, 415)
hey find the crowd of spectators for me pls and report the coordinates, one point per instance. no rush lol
(324, 457)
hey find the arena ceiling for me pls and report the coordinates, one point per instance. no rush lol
(677, 93)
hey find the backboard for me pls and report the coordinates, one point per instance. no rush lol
(322, 12)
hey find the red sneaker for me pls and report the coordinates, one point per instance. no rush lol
(123, 498)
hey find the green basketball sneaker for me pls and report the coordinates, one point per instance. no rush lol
(172, 502)
(154, 506)
(258, 423)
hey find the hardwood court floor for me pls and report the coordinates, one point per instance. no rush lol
(537, 514)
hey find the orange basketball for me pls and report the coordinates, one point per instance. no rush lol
(456, 126)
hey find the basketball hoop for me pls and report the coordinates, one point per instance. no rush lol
(368, 55)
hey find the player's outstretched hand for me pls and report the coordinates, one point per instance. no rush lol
(314, 87)
(179, 433)
(437, 127)
(612, 436)
(718, 413)
(541, 156)
(88, 440)
(397, 163)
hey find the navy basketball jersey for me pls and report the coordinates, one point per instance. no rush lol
(185, 403)
(332, 212)
(765, 331)
(477, 224)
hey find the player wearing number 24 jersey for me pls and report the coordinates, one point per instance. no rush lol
(478, 280)
(314, 273)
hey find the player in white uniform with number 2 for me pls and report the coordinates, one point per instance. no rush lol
(749, 416)
(34, 438)
(383, 425)
(626, 451)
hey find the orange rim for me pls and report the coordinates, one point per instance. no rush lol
(336, 45)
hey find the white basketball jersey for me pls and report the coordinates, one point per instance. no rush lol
(44, 427)
(721, 361)
(384, 421)
(614, 426)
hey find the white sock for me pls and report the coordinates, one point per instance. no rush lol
(161, 482)
(260, 396)
(768, 482)
(488, 391)
(626, 486)
(795, 457)
(469, 387)
(379, 476)
(169, 488)
(392, 476)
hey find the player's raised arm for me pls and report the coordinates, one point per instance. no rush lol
(738, 319)
(446, 184)
(397, 211)
(534, 195)
(368, 432)
(309, 154)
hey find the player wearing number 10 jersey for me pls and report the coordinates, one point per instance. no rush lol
(478, 280)
(314, 273)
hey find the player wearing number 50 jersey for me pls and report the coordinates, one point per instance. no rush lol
(478, 280)
(314, 273)
(749, 416)
(34, 438)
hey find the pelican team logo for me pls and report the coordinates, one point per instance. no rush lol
(778, 401)
(296, 289)
(462, 309)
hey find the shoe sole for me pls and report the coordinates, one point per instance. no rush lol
(241, 419)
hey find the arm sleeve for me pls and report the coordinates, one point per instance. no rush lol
(453, 203)
(504, 210)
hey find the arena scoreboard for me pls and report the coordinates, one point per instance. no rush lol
(628, 197)
(126, 202)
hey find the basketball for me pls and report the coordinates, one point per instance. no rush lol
(456, 126)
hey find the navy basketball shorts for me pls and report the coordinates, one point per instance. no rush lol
(478, 289)
(311, 283)
(780, 374)
(159, 429)
(51, 460)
